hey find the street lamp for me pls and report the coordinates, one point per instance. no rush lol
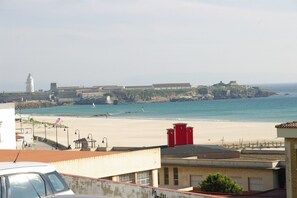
(56, 135)
(222, 140)
(90, 137)
(66, 129)
(33, 123)
(106, 144)
(77, 133)
(44, 131)
(21, 119)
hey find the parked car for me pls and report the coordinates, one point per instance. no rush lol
(79, 196)
(31, 180)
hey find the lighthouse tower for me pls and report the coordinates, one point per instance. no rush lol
(30, 84)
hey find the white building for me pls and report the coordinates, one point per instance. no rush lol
(30, 84)
(137, 167)
(7, 126)
(288, 131)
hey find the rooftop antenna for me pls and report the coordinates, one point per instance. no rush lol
(17, 157)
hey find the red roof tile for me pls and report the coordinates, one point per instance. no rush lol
(48, 155)
(287, 125)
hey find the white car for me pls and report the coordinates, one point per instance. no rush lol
(79, 196)
(31, 180)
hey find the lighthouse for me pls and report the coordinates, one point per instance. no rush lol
(30, 84)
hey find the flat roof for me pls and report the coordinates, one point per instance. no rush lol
(48, 156)
(194, 149)
(262, 157)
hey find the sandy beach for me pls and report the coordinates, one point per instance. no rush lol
(137, 132)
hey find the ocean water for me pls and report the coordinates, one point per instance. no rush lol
(279, 108)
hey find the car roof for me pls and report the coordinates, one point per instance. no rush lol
(24, 167)
(78, 196)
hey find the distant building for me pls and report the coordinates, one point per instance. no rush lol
(172, 86)
(220, 84)
(111, 87)
(30, 84)
(53, 87)
(68, 89)
(143, 87)
(231, 83)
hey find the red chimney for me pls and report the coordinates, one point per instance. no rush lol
(170, 137)
(190, 135)
(180, 133)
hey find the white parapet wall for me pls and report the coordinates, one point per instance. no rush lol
(112, 164)
(7, 126)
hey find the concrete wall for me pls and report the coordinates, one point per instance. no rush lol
(291, 167)
(83, 185)
(7, 128)
(113, 164)
(287, 132)
(290, 135)
(269, 177)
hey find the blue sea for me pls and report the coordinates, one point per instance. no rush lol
(279, 108)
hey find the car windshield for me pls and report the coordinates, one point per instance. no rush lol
(57, 182)
(28, 185)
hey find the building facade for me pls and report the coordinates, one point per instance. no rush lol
(7, 126)
(252, 176)
(172, 86)
(289, 132)
(186, 165)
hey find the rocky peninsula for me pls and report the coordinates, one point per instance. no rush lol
(172, 92)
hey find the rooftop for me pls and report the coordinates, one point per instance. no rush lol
(172, 85)
(47, 155)
(193, 150)
(287, 125)
(262, 157)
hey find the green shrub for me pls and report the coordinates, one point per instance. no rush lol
(220, 183)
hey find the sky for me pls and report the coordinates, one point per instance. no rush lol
(142, 42)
